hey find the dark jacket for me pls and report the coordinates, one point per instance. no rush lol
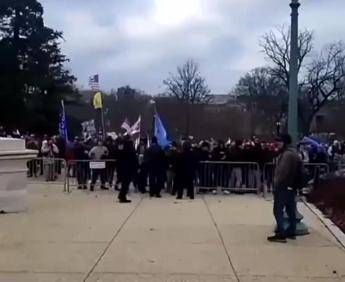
(127, 162)
(155, 159)
(186, 165)
(79, 152)
(172, 156)
(286, 168)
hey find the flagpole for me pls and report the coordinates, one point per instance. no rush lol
(102, 119)
(65, 132)
(154, 105)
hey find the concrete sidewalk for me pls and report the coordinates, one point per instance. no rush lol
(90, 237)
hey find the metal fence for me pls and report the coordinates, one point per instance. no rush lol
(83, 173)
(229, 176)
(48, 170)
(313, 173)
(237, 177)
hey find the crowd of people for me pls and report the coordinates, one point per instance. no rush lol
(148, 165)
(175, 168)
(178, 167)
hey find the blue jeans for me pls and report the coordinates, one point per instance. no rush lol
(285, 199)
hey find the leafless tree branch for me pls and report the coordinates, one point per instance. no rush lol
(188, 86)
(276, 46)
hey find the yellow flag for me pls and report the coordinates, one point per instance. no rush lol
(97, 101)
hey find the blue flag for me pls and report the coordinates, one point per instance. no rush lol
(160, 132)
(63, 123)
(312, 142)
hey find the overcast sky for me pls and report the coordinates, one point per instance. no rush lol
(139, 42)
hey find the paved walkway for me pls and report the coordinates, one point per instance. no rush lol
(89, 237)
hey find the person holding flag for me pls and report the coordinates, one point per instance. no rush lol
(127, 166)
(156, 164)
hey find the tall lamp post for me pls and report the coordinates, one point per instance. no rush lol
(293, 77)
(301, 228)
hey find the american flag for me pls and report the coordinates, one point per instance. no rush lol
(63, 123)
(126, 126)
(135, 127)
(94, 82)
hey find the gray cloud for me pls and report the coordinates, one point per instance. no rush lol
(139, 42)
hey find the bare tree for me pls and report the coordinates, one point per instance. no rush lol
(325, 81)
(322, 80)
(259, 82)
(264, 96)
(276, 46)
(188, 86)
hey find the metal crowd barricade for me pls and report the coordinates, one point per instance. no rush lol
(80, 172)
(229, 176)
(337, 166)
(52, 170)
(313, 171)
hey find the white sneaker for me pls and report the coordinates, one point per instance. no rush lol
(226, 192)
(214, 192)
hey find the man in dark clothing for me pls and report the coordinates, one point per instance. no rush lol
(284, 191)
(221, 171)
(32, 144)
(110, 164)
(142, 171)
(156, 164)
(61, 144)
(235, 154)
(80, 153)
(127, 165)
(204, 169)
(172, 154)
(185, 171)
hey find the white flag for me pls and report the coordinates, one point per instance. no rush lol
(126, 126)
(136, 127)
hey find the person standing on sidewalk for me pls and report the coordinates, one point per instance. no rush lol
(171, 155)
(286, 172)
(141, 178)
(49, 151)
(98, 154)
(156, 164)
(186, 166)
(127, 166)
(81, 155)
(111, 160)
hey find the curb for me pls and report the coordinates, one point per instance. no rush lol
(330, 226)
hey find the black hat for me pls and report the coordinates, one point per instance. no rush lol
(285, 138)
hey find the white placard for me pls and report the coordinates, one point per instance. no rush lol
(97, 165)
